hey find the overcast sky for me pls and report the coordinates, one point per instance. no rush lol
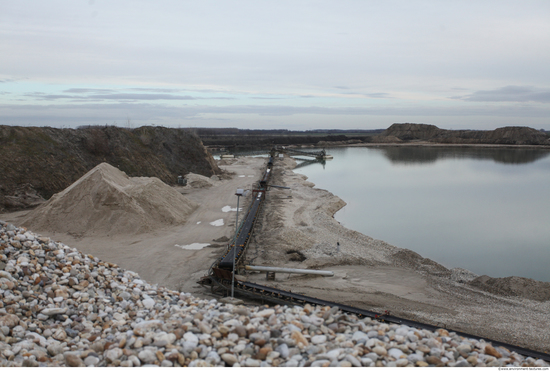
(300, 65)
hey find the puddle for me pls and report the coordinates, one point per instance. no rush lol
(217, 223)
(193, 246)
(227, 209)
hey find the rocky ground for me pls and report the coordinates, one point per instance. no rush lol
(61, 307)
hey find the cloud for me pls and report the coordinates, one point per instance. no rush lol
(152, 110)
(509, 93)
(81, 95)
(130, 96)
(87, 90)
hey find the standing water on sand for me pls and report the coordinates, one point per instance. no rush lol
(483, 209)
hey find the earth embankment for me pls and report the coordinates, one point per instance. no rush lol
(511, 135)
(41, 161)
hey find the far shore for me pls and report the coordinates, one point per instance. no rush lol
(423, 144)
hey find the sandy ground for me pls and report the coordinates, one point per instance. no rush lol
(155, 255)
(297, 229)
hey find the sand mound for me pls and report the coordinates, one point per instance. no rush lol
(105, 201)
(199, 181)
(514, 286)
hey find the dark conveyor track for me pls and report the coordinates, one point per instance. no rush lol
(220, 275)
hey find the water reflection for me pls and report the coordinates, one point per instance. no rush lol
(407, 155)
(462, 207)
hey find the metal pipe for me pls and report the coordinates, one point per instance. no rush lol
(239, 193)
(288, 270)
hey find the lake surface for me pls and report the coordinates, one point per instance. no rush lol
(483, 209)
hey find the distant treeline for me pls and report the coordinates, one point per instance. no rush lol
(211, 132)
(256, 138)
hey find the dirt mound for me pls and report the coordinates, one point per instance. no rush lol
(514, 286)
(386, 139)
(105, 201)
(510, 135)
(412, 131)
(199, 181)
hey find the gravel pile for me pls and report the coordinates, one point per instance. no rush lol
(60, 307)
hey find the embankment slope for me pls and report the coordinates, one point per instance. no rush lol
(40, 161)
(511, 135)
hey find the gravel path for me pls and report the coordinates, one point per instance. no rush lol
(63, 308)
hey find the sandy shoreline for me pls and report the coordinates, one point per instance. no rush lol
(297, 229)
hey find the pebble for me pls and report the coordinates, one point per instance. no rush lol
(229, 358)
(318, 339)
(395, 353)
(65, 308)
(381, 351)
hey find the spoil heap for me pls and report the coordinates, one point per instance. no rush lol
(200, 181)
(105, 201)
(60, 307)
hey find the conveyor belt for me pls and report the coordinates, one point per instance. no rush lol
(243, 235)
(245, 231)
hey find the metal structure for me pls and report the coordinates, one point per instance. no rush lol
(322, 154)
(288, 270)
(239, 193)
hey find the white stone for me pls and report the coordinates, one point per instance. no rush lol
(91, 361)
(367, 362)
(292, 363)
(334, 354)
(147, 356)
(319, 339)
(214, 356)
(113, 354)
(252, 362)
(283, 350)
(148, 303)
(163, 339)
(415, 357)
(320, 363)
(395, 353)
(147, 324)
(317, 321)
(359, 335)
(53, 311)
(265, 313)
(191, 338)
(135, 360)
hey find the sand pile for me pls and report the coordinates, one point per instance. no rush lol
(200, 181)
(105, 201)
(514, 286)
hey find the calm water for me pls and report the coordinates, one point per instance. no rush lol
(483, 209)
